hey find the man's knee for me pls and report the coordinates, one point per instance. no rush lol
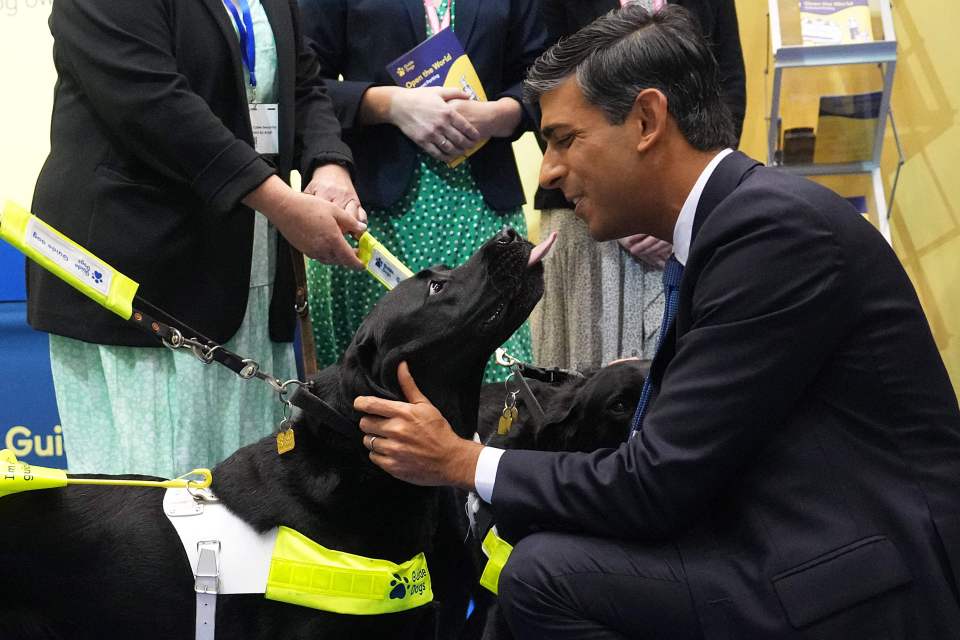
(525, 576)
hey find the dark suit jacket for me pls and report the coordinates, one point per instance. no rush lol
(804, 448)
(151, 153)
(718, 19)
(357, 38)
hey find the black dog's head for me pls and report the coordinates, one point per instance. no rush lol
(582, 414)
(446, 323)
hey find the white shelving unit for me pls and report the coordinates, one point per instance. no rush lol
(789, 54)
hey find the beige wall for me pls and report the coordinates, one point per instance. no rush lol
(26, 83)
(925, 217)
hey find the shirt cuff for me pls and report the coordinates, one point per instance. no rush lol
(486, 473)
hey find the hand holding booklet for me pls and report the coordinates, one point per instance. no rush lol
(439, 61)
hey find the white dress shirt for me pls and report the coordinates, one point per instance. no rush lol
(489, 459)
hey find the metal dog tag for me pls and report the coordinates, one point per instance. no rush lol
(506, 420)
(285, 441)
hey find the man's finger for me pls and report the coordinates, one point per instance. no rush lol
(409, 387)
(374, 406)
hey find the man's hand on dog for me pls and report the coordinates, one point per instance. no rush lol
(413, 442)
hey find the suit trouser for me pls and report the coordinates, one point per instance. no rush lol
(560, 586)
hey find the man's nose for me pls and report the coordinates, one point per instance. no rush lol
(551, 171)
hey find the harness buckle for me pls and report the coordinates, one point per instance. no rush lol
(207, 573)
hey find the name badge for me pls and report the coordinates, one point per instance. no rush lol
(265, 121)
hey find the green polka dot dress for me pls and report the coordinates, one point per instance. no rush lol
(441, 219)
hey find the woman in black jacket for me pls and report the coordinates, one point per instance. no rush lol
(153, 167)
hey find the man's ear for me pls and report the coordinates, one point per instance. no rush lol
(649, 115)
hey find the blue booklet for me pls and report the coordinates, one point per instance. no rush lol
(439, 61)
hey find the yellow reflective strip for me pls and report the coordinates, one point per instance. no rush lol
(308, 574)
(67, 260)
(309, 578)
(498, 550)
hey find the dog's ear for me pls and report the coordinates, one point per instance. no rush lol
(564, 413)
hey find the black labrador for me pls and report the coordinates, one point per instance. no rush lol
(580, 414)
(95, 562)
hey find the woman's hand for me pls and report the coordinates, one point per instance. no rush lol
(428, 117)
(647, 249)
(497, 119)
(308, 223)
(331, 182)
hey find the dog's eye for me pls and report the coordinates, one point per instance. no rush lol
(618, 407)
(436, 286)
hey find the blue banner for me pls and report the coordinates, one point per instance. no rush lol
(29, 422)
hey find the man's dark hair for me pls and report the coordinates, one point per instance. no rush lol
(631, 49)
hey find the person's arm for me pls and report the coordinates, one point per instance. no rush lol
(736, 377)
(121, 55)
(767, 314)
(729, 54)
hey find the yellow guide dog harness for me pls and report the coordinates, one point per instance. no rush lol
(228, 556)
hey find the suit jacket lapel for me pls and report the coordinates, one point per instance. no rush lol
(417, 19)
(726, 177)
(219, 14)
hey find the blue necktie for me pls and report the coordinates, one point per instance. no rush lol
(672, 273)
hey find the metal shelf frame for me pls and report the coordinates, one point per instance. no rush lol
(883, 53)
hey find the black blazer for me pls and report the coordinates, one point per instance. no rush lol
(718, 19)
(804, 449)
(151, 153)
(357, 38)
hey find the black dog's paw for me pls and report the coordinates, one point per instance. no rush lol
(399, 587)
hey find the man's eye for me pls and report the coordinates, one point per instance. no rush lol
(436, 286)
(565, 141)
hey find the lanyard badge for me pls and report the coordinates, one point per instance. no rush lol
(248, 47)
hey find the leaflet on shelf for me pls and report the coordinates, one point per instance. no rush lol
(847, 127)
(835, 22)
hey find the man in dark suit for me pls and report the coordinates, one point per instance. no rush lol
(794, 474)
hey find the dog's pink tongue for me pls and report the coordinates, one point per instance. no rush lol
(541, 250)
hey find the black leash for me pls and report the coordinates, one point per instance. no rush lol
(174, 335)
(524, 370)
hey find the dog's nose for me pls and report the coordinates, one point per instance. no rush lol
(507, 235)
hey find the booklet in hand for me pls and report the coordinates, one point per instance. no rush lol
(439, 61)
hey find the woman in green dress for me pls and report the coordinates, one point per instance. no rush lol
(402, 140)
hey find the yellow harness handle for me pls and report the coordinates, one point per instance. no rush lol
(16, 476)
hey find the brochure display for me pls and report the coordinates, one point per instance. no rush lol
(832, 65)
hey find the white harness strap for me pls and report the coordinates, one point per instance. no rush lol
(226, 554)
(206, 584)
